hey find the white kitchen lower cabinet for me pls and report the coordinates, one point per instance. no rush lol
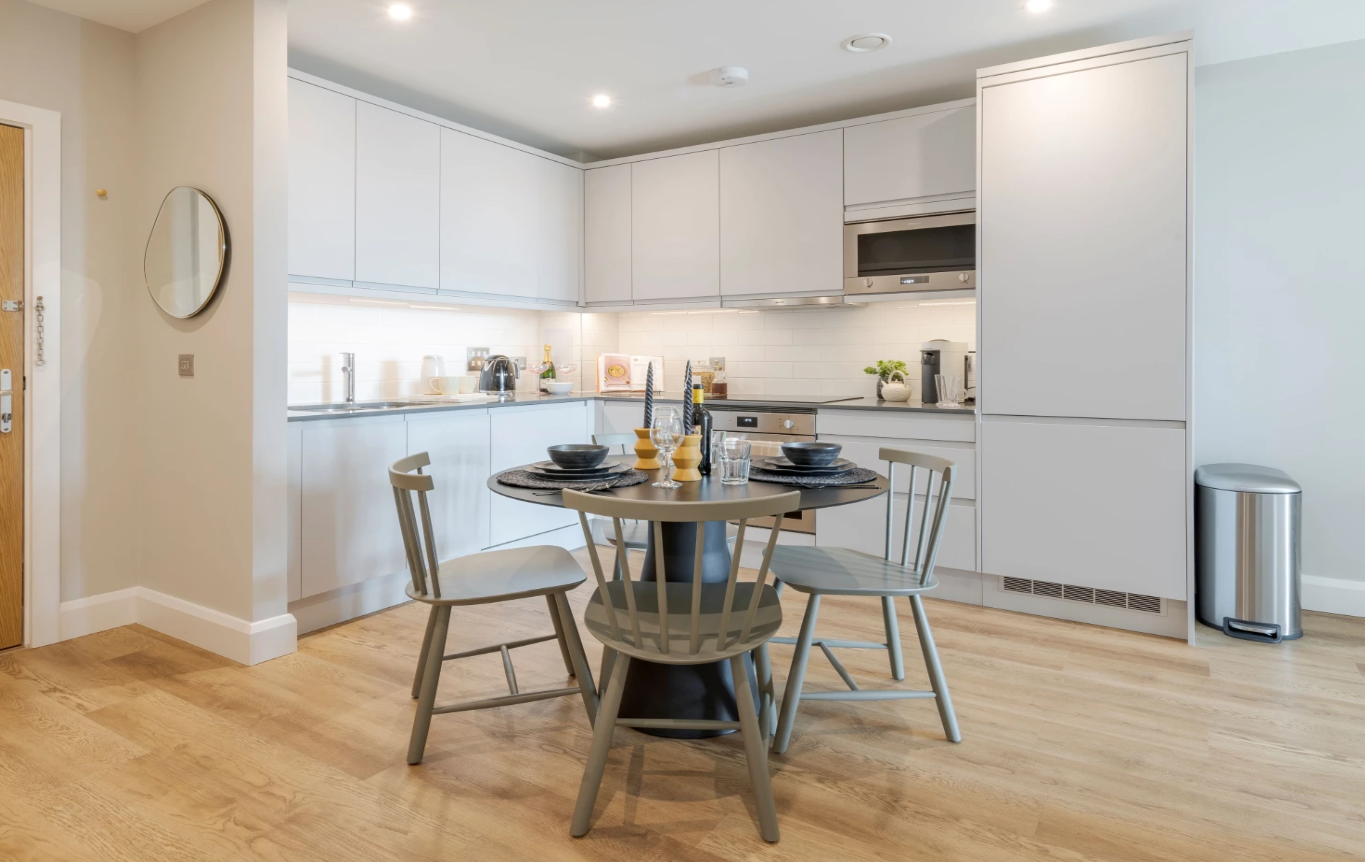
(863, 452)
(1092, 505)
(349, 527)
(520, 435)
(622, 417)
(458, 443)
(862, 527)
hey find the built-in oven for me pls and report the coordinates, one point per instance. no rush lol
(776, 425)
(933, 252)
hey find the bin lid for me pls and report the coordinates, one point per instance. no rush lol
(1245, 479)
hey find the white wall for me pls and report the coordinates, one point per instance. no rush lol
(819, 352)
(85, 71)
(210, 87)
(1280, 289)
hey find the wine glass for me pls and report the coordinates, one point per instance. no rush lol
(667, 435)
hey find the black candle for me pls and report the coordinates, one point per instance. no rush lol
(687, 399)
(649, 396)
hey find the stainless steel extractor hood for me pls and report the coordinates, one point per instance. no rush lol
(795, 302)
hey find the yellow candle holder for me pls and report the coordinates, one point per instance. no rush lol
(646, 453)
(686, 460)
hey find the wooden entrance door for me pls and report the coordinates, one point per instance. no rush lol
(12, 387)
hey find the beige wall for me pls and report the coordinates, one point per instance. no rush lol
(210, 90)
(85, 71)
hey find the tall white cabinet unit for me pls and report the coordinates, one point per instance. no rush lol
(1084, 298)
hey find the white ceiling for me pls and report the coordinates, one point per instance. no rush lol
(131, 15)
(526, 68)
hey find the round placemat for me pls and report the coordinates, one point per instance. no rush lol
(525, 479)
(856, 476)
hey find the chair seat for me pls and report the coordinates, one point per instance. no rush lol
(636, 533)
(766, 621)
(845, 572)
(493, 576)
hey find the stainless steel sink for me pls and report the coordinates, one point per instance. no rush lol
(359, 405)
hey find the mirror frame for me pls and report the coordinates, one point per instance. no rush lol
(223, 251)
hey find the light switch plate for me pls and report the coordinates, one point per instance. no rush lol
(186, 365)
(520, 362)
(475, 358)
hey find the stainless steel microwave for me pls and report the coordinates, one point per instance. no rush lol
(933, 252)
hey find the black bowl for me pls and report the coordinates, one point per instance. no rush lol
(811, 454)
(577, 455)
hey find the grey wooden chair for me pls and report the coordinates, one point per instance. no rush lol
(684, 623)
(843, 572)
(478, 579)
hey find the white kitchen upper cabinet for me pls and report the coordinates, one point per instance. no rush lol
(1099, 506)
(520, 435)
(397, 198)
(1083, 240)
(349, 528)
(675, 227)
(458, 443)
(606, 234)
(559, 231)
(490, 200)
(782, 215)
(921, 156)
(321, 182)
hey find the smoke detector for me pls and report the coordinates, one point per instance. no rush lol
(866, 43)
(730, 76)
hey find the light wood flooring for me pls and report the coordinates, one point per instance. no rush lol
(1079, 743)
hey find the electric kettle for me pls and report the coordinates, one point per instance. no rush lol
(499, 377)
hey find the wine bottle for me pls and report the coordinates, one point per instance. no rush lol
(703, 424)
(549, 372)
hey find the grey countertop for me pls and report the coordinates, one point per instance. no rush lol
(420, 404)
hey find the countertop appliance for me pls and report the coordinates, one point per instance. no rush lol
(941, 356)
(499, 377)
(787, 425)
(969, 381)
(933, 252)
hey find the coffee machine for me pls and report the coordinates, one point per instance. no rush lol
(941, 356)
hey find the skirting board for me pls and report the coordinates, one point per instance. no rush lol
(1333, 596)
(245, 642)
(386, 591)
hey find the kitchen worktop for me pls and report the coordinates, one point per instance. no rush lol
(420, 404)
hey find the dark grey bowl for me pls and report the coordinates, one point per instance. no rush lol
(577, 455)
(811, 454)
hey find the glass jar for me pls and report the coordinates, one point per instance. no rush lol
(720, 387)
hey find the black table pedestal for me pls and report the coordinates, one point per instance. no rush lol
(694, 691)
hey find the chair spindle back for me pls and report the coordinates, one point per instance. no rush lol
(407, 479)
(931, 526)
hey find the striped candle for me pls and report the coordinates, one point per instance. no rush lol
(687, 399)
(649, 396)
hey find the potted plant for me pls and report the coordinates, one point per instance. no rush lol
(884, 369)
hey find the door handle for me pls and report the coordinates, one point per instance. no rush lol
(6, 400)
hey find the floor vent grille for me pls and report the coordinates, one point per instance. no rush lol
(1086, 595)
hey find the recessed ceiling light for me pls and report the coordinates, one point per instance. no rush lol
(400, 11)
(866, 43)
(601, 100)
(1038, 6)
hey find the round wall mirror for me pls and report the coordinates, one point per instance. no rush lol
(186, 252)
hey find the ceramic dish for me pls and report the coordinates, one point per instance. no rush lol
(782, 465)
(549, 468)
(577, 456)
(811, 453)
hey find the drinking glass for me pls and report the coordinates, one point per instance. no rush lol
(732, 456)
(667, 434)
(949, 390)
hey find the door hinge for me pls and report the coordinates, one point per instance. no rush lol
(12, 305)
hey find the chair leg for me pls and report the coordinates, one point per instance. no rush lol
(755, 752)
(767, 715)
(421, 722)
(422, 656)
(604, 674)
(573, 647)
(893, 637)
(601, 747)
(792, 697)
(559, 635)
(936, 678)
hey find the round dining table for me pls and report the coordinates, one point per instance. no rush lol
(701, 691)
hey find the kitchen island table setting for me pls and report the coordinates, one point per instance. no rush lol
(687, 692)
